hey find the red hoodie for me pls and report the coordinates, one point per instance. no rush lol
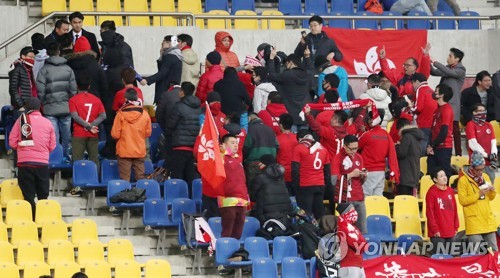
(271, 116)
(229, 58)
(425, 106)
(400, 79)
(207, 81)
(375, 146)
(441, 212)
(287, 142)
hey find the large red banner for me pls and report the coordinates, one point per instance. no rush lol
(419, 266)
(360, 48)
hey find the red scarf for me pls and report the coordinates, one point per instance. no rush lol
(26, 138)
(345, 106)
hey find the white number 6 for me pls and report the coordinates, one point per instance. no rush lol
(317, 162)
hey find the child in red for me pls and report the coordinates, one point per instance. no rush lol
(287, 142)
(352, 264)
(128, 77)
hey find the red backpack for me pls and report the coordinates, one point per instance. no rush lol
(374, 6)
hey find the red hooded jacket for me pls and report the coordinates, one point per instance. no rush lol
(207, 81)
(229, 58)
(400, 79)
(271, 116)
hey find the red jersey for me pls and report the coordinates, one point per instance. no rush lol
(443, 117)
(425, 106)
(342, 164)
(441, 212)
(331, 137)
(287, 142)
(271, 116)
(483, 134)
(119, 99)
(241, 141)
(325, 117)
(312, 163)
(88, 107)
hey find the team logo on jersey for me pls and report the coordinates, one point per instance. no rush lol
(357, 163)
(488, 131)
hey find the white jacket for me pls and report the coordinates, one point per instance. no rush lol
(260, 96)
(381, 99)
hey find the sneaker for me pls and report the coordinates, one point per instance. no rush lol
(225, 271)
(74, 192)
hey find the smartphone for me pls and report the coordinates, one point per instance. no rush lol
(303, 33)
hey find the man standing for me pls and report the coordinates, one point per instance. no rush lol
(480, 92)
(111, 39)
(287, 142)
(33, 137)
(423, 107)
(190, 63)
(22, 84)
(76, 20)
(453, 75)
(433, 5)
(61, 28)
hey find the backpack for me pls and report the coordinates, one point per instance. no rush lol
(133, 195)
(275, 227)
(160, 175)
(197, 230)
(374, 6)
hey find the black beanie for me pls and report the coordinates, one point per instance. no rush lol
(32, 103)
(267, 159)
(214, 57)
(213, 97)
(344, 207)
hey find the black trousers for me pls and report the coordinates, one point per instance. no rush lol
(310, 199)
(181, 165)
(441, 158)
(209, 206)
(405, 190)
(34, 182)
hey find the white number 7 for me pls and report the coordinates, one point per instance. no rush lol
(88, 112)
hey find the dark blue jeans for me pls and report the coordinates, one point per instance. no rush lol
(441, 158)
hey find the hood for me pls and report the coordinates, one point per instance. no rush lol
(56, 60)
(132, 113)
(414, 131)
(275, 171)
(299, 76)
(267, 87)
(276, 108)
(41, 55)
(191, 101)
(377, 94)
(218, 41)
(81, 60)
(108, 38)
(189, 56)
(174, 51)
(233, 128)
(340, 131)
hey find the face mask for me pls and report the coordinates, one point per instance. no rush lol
(215, 107)
(479, 118)
(29, 62)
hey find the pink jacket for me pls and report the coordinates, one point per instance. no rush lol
(44, 139)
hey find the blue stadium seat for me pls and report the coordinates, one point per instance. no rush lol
(174, 188)
(361, 6)
(257, 248)
(197, 188)
(216, 226)
(340, 23)
(264, 267)
(180, 206)
(109, 170)
(216, 5)
(293, 267)
(380, 225)
(387, 4)
(8, 121)
(115, 187)
(370, 24)
(441, 256)
(374, 247)
(405, 242)
(346, 6)
(444, 24)
(225, 247)
(414, 24)
(155, 216)
(314, 7)
(156, 131)
(391, 24)
(290, 7)
(57, 164)
(238, 5)
(284, 246)
(472, 24)
(85, 177)
(444, 7)
(312, 267)
(152, 188)
(161, 162)
(250, 228)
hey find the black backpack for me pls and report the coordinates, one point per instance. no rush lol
(133, 195)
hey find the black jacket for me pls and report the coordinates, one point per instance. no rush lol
(19, 84)
(115, 65)
(92, 41)
(260, 140)
(169, 70)
(270, 195)
(233, 94)
(166, 106)
(184, 122)
(111, 39)
(496, 90)
(52, 37)
(470, 97)
(293, 85)
(319, 44)
(84, 63)
(409, 152)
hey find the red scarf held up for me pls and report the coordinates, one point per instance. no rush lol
(345, 106)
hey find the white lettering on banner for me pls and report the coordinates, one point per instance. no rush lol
(371, 65)
(395, 270)
(476, 268)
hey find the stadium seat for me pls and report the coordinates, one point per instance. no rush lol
(240, 5)
(441, 256)
(405, 241)
(85, 177)
(405, 204)
(250, 228)
(36, 270)
(60, 251)
(152, 188)
(127, 269)
(29, 252)
(110, 6)
(10, 191)
(216, 226)
(366, 24)
(163, 6)
(414, 24)
(47, 210)
(136, 6)
(154, 216)
(264, 267)
(90, 251)
(284, 246)
(57, 165)
(66, 269)
(423, 165)
(120, 250)
(174, 188)
(391, 24)
(380, 226)
(290, 7)
(314, 7)
(7, 254)
(459, 161)
(109, 170)
(425, 184)
(83, 229)
(196, 192)
(249, 24)
(461, 217)
(444, 24)
(114, 188)
(225, 247)
(23, 231)
(408, 224)
(389, 125)
(157, 268)
(495, 124)
(9, 270)
(49, 6)
(444, 7)
(361, 5)
(191, 6)
(257, 248)
(346, 6)
(452, 179)
(180, 206)
(4, 235)
(221, 5)
(275, 24)
(218, 23)
(374, 247)
(377, 205)
(83, 6)
(53, 230)
(340, 23)
(98, 269)
(17, 210)
(293, 267)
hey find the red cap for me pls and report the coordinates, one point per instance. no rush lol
(81, 45)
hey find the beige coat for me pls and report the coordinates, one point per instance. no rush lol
(190, 66)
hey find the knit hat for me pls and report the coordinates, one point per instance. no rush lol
(214, 58)
(32, 103)
(267, 159)
(344, 207)
(81, 45)
(476, 159)
(213, 97)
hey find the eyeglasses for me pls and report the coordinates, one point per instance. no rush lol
(407, 65)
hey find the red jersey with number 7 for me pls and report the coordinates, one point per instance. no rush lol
(312, 161)
(88, 108)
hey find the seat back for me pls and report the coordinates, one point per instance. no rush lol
(56, 156)
(163, 6)
(406, 240)
(444, 24)
(221, 5)
(84, 172)
(257, 247)
(408, 224)
(274, 24)
(459, 161)
(216, 226)
(225, 247)
(53, 230)
(136, 6)
(23, 230)
(7, 254)
(152, 188)
(175, 188)
(346, 6)
(36, 270)
(405, 205)
(391, 24)
(47, 210)
(284, 246)
(154, 212)
(98, 269)
(453, 178)
(249, 24)
(239, 5)
(66, 269)
(290, 7)
(110, 6)
(60, 251)
(374, 247)
(157, 268)
(441, 256)
(120, 250)
(82, 229)
(414, 24)
(218, 23)
(180, 206)
(29, 251)
(361, 5)
(340, 23)
(250, 227)
(127, 269)
(9, 270)
(90, 250)
(293, 267)
(423, 164)
(314, 7)
(264, 267)
(197, 189)
(115, 187)
(109, 170)
(49, 6)
(377, 205)
(496, 128)
(17, 210)
(426, 183)
(379, 225)
(366, 24)
(83, 6)
(10, 191)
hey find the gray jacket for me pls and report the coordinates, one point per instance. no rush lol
(453, 77)
(56, 85)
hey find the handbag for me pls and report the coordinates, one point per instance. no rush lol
(160, 175)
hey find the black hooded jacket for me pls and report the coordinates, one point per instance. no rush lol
(184, 122)
(233, 93)
(409, 151)
(111, 39)
(85, 63)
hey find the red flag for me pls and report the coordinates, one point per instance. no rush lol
(209, 160)
(360, 48)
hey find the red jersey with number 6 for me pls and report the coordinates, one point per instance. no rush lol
(88, 108)
(312, 161)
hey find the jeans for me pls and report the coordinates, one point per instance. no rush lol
(441, 158)
(452, 3)
(62, 128)
(427, 139)
(310, 199)
(489, 238)
(244, 121)
(404, 6)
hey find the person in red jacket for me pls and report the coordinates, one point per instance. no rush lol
(274, 109)
(223, 43)
(348, 175)
(402, 80)
(377, 148)
(232, 126)
(287, 142)
(423, 106)
(128, 78)
(208, 79)
(213, 100)
(441, 211)
(440, 145)
(352, 264)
